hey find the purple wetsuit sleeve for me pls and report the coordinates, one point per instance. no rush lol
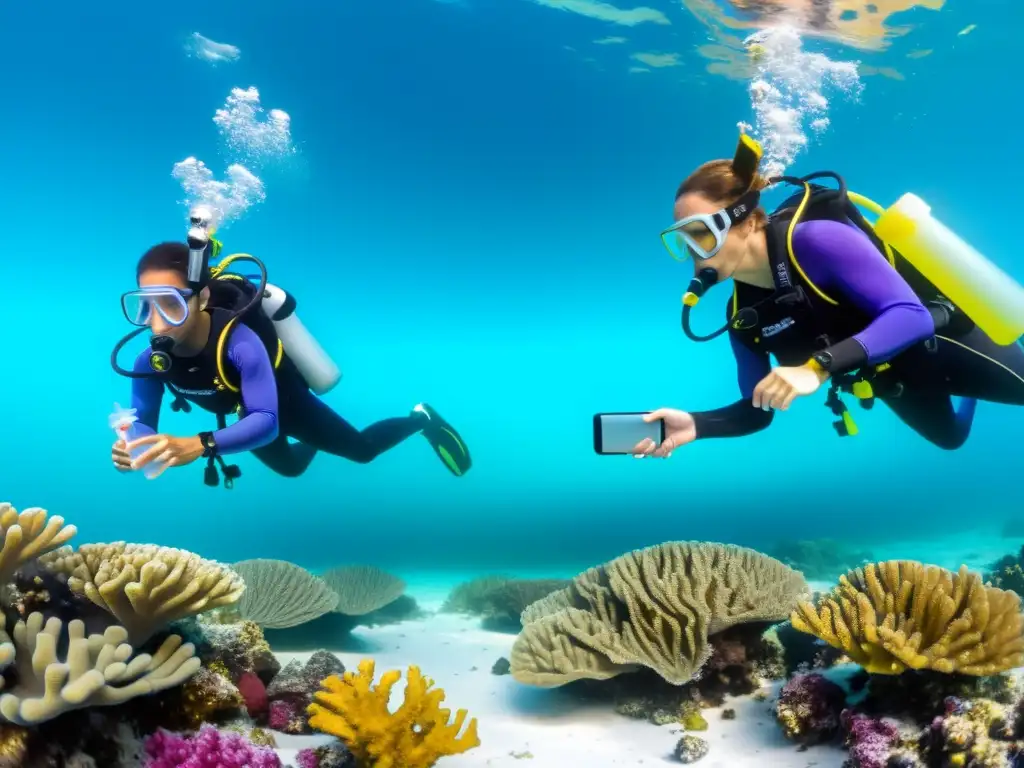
(844, 263)
(259, 425)
(147, 395)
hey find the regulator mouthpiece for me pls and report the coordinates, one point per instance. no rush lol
(699, 285)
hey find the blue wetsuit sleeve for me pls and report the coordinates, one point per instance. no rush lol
(740, 418)
(845, 264)
(259, 425)
(147, 396)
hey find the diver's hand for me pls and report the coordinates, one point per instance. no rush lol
(122, 460)
(680, 430)
(169, 451)
(785, 384)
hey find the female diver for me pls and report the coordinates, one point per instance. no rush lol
(823, 299)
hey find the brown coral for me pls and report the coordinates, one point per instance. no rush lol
(144, 586)
(901, 614)
(651, 608)
(414, 736)
(207, 696)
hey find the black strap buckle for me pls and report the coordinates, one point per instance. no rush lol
(231, 473)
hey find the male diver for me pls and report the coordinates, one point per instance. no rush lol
(215, 345)
(817, 288)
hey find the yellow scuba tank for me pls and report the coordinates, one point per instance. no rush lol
(986, 294)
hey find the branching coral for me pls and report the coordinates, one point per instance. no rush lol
(98, 670)
(900, 614)
(651, 608)
(414, 736)
(27, 535)
(144, 586)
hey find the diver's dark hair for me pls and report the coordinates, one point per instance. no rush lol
(718, 181)
(169, 256)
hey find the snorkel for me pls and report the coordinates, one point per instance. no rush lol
(202, 248)
(744, 164)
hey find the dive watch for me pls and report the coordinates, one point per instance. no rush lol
(209, 444)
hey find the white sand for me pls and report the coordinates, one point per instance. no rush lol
(557, 730)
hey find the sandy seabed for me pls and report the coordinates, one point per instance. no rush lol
(524, 726)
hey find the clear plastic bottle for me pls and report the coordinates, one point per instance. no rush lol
(122, 421)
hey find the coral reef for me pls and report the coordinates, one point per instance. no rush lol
(901, 614)
(330, 756)
(809, 707)
(283, 716)
(500, 601)
(279, 594)
(362, 589)
(239, 647)
(98, 670)
(820, 558)
(870, 740)
(1008, 573)
(145, 587)
(209, 748)
(207, 697)
(690, 749)
(652, 608)
(254, 694)
(292, 690)
(742, 660)
(414, 736)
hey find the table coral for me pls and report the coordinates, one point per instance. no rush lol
(414, 736)
(145, 587)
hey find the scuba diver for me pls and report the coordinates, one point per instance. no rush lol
(231, 344)
(878, 311)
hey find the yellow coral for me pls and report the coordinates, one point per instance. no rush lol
(414, 736)
(901, 614)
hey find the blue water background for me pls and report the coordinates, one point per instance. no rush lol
(473, 221)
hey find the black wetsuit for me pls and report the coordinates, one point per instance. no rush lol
(925, 362)
(272, 405)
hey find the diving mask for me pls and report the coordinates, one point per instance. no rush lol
(169, 302)
(702, 235)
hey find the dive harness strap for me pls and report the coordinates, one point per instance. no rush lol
(231, 471)
(210, 475)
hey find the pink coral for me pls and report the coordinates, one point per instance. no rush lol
(870, 739)
(283, 716)
(307, 759)
(209, 748)
(809, 707)
(254, 693)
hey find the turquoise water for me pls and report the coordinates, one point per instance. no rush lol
(470, 217)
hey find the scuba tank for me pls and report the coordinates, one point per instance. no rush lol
(316, 367)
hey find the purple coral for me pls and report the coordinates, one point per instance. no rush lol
(809, 707)
(307, 758)
(870, 739)
(209, 748)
